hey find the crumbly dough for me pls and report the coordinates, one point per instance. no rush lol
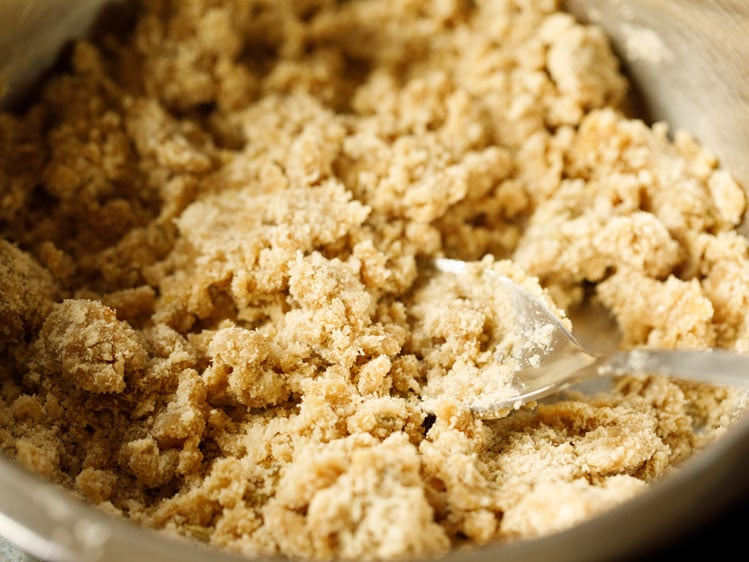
(216, 317)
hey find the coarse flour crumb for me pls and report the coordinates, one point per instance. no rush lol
(213, 315)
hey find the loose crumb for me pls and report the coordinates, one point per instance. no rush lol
(216, 318)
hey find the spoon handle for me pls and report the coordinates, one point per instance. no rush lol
(715, 366)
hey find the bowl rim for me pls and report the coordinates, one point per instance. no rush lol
(51, 523)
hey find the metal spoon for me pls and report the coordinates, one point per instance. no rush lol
(562, 361)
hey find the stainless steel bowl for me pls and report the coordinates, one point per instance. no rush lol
(689, 63)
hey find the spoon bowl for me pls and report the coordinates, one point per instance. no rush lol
(549, 358)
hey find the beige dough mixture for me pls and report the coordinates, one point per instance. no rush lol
(214, 314)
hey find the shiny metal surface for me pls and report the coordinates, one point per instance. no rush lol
(32, 33)
(689, 61)
(544, 368)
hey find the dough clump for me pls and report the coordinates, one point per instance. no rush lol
(216, 319)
